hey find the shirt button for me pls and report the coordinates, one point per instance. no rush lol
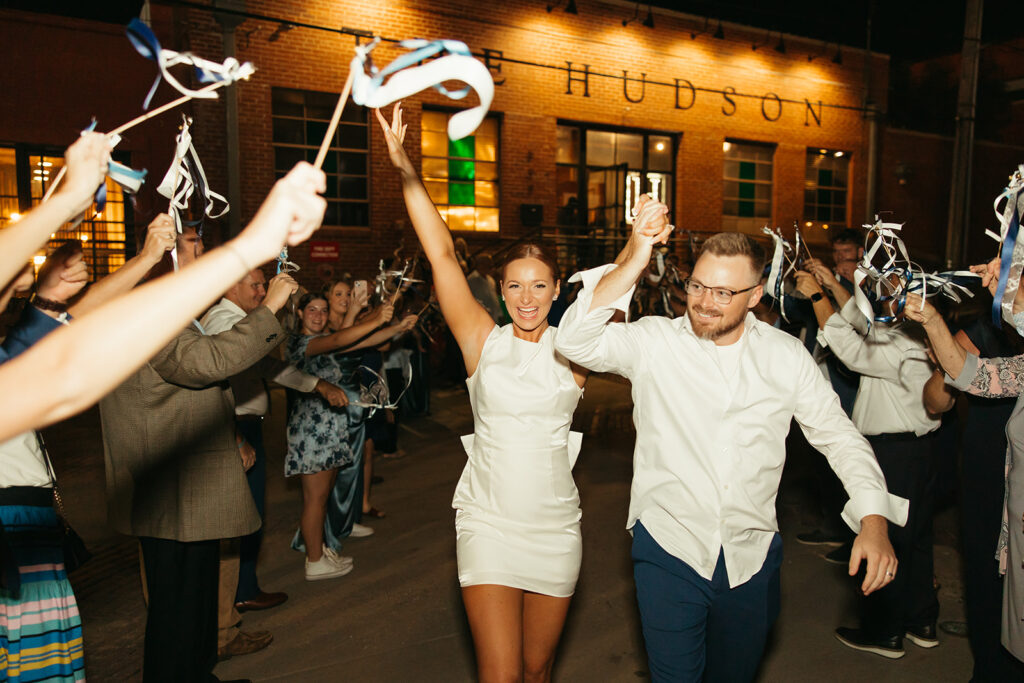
(726, 487)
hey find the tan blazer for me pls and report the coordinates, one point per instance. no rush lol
(173, 469)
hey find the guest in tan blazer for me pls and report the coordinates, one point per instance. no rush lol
(175, 478)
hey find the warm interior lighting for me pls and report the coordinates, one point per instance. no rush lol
(15, 217)
(83, 236)
(660, 146)
(822, 151)
(838, 154)
(808, 224)
(726, 146)
(824, 226)
(39, 260)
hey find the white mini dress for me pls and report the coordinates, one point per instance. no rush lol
(518, 511)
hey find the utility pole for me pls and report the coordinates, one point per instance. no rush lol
(963, 146)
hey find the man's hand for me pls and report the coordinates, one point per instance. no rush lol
(807, 284)
(823, 274)
(872, 544)
(63, 274)
(161, 236)
(291, 213)
(248, 455)
(279, 290)
(331, 393)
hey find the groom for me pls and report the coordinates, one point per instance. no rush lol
(714, 393)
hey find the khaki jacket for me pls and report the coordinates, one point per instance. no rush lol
(173, 469)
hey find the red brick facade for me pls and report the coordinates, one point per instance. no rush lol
(102, 75)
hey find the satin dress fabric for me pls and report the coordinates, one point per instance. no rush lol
(518, 510)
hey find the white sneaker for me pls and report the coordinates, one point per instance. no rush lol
(340, 560)
(329, 566)
(361, 531)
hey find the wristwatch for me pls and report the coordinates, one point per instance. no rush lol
(816, 297)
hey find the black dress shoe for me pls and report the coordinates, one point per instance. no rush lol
(261, 601)
(923, 636)
(859, 640)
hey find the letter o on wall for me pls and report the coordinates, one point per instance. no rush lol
(765, 106)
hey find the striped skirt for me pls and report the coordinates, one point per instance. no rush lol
(40, 628)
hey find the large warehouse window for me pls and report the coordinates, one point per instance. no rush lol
(300, 120)
(26, 174)
(462, 175)
(825, 190)
(747, 189)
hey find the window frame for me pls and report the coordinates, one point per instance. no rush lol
(311, 150)
(583, 168)
(811, 215)
(738, 218)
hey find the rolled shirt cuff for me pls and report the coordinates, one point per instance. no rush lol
(592, 276)
(865, 503)
(967, 374)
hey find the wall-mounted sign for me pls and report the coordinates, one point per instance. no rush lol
(324, 251)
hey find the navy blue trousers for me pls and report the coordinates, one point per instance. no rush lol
(249, 549)
(700, 630)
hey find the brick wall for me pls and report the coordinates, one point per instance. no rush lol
(107, 77)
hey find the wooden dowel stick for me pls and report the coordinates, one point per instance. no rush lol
(335, 118)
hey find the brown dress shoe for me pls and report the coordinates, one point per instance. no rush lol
(245, 643)
(261, 601)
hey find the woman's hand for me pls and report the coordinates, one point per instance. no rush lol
(394, 136)
(161, 237)
(920, 310)
(86, 161)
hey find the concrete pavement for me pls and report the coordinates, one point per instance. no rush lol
(398, 615)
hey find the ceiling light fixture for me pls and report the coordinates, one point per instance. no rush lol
(838, 59)
(781, 47)
(719, 33)
(279, 31)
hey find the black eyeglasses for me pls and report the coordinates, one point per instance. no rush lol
(720, 295)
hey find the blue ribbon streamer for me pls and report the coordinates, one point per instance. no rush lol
(1006, 256)
(424, 49)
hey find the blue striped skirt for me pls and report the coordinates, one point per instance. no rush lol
(40, 628)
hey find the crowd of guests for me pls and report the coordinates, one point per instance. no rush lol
(181, 365)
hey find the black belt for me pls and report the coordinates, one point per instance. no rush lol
(32, 496)
(898, 436)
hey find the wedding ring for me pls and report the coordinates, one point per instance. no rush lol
(889, 574)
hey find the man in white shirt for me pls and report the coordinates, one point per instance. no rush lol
(251, 406)
(889, 410)
(714, 393)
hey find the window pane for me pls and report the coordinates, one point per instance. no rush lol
(486, 171)
(461, 217)
(320, 105)
(286, 157)
(461, 170)
(438, 191)
(464, 148)
(487, 220)
(461, 194)
(350, 135)
(435, 121)
(288, 131)
(600, 148)
(629, 150)
(568, 141)
(355, 214)
(435, 144)
(287, 102)
(486, 193)
(315, 132)
(659, 153)
(8, 188)
(352, 162)
(351, 187)
(435, 168)
(567, 194)
(486, 149)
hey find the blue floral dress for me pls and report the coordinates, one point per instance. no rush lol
(320, 437)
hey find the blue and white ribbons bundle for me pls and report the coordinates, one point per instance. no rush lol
(783, 264)
(889, 284)
(147, 45)
(455, 63)
(129, 179)
(185, 179)
(1011, 250)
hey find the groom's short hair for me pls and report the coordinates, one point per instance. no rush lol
(736, 244)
